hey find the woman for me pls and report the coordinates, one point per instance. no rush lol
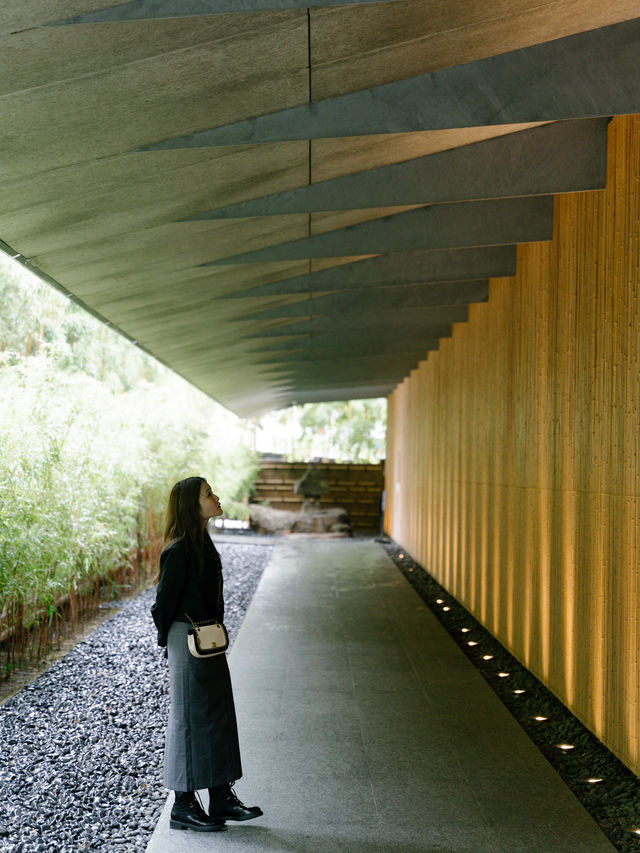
(201, 749)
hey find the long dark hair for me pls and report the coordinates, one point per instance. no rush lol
(183, 519)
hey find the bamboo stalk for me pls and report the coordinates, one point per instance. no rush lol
(514, 455)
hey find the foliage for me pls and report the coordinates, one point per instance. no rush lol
(93, 433)
(37, 319)
(347, 431)
(67, 507)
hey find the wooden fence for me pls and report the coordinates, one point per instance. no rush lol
(357, 488)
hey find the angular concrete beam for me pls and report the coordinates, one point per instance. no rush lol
(358, 342)
(412, 323)
(403, 354)
(586, 75)
(145, 10)
(375, 368)
(399, 268)
(326, 392)
(457, 225)
(357, 302)
(290, 346)
(346, 372)
(419, 333)
(372, 357)
(319, 345)
(356, 384)
(565, 156)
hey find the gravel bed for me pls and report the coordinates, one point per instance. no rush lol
(607, 789)
(82, 745)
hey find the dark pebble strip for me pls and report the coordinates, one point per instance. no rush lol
(81, 746)
(614, 803)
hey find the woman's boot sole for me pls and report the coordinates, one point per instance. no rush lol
(178, 824)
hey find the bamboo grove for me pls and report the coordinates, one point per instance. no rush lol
(92, 434)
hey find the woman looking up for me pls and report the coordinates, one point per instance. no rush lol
(201, 748)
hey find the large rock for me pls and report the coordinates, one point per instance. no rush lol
(320, 522)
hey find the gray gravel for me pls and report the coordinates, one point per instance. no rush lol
(81, 747)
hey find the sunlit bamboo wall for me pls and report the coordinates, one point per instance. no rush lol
(513, 470)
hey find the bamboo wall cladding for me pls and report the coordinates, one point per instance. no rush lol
(513, 470)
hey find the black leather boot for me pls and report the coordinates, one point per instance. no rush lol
(187, 813)
(224, 805)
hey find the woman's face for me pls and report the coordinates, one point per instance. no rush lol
(209, 503)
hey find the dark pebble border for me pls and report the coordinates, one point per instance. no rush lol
(81, 746)
(607, 789)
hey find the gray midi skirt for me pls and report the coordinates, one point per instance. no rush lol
(201, 747)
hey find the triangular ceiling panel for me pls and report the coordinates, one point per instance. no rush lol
(308, 194)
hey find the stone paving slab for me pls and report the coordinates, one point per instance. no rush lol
(365, 729)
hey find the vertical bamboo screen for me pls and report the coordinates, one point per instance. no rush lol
(513, 470)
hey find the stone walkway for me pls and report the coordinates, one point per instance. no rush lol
(364, 729)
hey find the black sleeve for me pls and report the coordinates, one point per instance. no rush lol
(173, 576)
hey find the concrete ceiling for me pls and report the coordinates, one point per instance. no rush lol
(290, 203)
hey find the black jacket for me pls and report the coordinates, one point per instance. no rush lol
(183, 588)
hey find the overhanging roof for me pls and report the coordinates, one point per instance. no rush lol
(286, 203)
